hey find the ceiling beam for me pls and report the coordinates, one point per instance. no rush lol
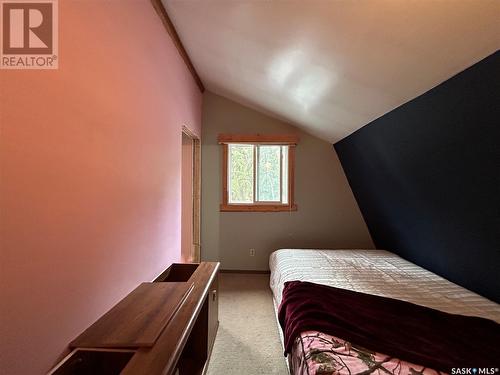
(169, 26)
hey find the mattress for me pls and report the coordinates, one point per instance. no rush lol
(375, 272)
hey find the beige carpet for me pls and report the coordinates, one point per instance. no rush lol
(248, 340)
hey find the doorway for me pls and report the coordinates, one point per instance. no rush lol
(190, 196)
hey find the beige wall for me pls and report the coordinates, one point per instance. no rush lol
(328, 216)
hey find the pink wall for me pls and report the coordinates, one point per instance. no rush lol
(90, 175)
(187, 199)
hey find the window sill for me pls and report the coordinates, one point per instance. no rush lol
(257, 207)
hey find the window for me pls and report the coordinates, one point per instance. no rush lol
(258, 172)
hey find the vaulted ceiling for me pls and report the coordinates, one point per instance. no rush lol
(332, 66)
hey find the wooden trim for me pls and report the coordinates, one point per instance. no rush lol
(257, 207)
(291, 175)
(262, 272)
(224, 173)
(169, 26)
(281, 173)
(283, 139)
(196, 254)
(256, 155)
(191, 134)
(197, 201)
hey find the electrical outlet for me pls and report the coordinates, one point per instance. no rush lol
(252, 252)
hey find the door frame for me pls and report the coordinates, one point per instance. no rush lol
(196, 248)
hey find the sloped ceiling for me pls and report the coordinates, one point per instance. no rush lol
(327, 66)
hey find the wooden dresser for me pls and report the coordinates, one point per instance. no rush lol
(164, 327)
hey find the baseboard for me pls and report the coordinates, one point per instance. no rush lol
(264, 272)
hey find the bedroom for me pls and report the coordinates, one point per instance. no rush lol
(373, 123)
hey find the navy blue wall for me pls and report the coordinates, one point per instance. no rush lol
(427, 178)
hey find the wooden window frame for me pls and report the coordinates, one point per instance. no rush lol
(289, 140)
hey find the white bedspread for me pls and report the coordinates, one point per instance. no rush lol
(376, 272)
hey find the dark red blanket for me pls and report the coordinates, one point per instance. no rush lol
(400, 329)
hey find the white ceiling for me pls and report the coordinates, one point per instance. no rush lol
(328, 66)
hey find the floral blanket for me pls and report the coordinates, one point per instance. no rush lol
(316, 353)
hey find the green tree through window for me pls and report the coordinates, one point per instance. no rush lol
(257, 173)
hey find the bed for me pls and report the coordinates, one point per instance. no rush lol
(376, 272)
